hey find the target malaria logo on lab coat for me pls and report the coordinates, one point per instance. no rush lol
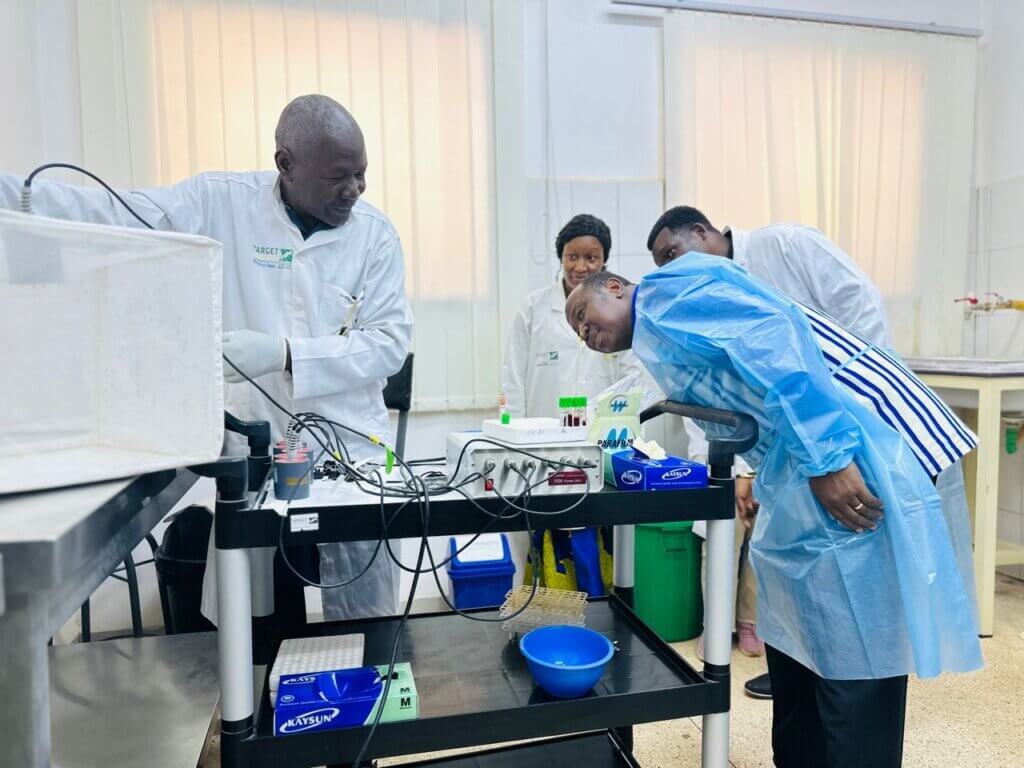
(269, 257)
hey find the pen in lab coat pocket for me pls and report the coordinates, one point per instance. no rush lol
(350, 318)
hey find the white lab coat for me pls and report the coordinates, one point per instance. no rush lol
(544, 359)
(277, 283)
(805, 265)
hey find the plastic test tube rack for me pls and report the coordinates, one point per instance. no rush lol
(572, 411)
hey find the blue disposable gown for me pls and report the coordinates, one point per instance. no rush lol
(846, 605)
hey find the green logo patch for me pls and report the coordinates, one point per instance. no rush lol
(273, 258)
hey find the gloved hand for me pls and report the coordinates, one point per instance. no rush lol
(255, 353)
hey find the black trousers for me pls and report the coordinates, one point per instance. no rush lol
(819, 723)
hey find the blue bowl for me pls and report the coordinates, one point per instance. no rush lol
(566, 661)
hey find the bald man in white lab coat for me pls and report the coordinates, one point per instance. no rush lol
(314, 303)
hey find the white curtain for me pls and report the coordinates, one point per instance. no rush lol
(170, 88)
(866, 134)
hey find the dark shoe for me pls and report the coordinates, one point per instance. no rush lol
(759, 687)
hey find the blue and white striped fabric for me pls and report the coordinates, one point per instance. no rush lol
(882, 381)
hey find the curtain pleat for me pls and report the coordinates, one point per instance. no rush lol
(866, 134)
(170, 88)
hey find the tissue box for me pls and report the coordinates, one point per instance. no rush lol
(632, 471)
(343, 698)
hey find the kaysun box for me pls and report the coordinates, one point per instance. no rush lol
(633, 471)
(343, 698)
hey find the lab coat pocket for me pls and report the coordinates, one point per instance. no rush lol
(338, 309)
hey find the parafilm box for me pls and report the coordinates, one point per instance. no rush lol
(633, 471)
(346, 697)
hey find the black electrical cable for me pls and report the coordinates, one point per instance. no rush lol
(553, 513)
(417, 490)
(273, 402)
(459, 550)
(94, 177)
(443, 563)
(535, 585)
(284, 554)
(489, 441)
(424, 546)
(141, 562)
(435, 567)
(303, 423)
(315, 418)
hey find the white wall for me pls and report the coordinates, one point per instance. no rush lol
(40, 89)
(592, 117)
(999, 246)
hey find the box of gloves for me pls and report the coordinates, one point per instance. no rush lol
(346, 697)
(634, 471)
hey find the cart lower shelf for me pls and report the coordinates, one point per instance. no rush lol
(475, 689)
(594, 750)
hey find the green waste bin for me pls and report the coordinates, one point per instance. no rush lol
(667, 591)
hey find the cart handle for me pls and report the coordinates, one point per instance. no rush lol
(258, 433)
(721, 450)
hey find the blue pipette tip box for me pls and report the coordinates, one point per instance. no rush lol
(632, 471)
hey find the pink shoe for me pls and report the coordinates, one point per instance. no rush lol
(750, 644)
(700, 648)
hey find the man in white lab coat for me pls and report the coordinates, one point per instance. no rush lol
(803, 264)
(314, 302)
(799, 261)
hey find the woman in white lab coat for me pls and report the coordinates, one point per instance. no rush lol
(544, 361)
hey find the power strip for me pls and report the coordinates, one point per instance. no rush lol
(495, 460)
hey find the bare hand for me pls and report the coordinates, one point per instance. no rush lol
(848, 499)
(746, 507)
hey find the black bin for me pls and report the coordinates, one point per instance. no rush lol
(180, 563)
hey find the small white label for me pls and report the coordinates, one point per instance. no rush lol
(307, 522)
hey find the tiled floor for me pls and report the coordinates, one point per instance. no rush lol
(968, 721)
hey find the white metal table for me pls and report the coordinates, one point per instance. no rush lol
(992, 387)
(56, 548)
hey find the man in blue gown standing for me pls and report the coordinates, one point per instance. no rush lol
(860, 551)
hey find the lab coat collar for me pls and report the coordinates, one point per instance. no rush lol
(558, 295)
(320, 236)
(558, 307)
(739, 245)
